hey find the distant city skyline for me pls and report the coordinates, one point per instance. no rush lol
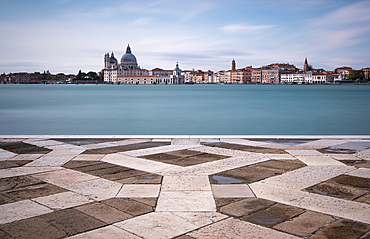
(68, 35)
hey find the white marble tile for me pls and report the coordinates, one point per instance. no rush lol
(12, 139)
(138, 163)
(200, 219)
(46, 143)
(67, 147)
(19, 171)
(21, 210)
(186, 183)
(89, 157)
(236, 229)
(322, 143)
(304, 153)
(242, 142)
(232, 191)
(105, 233)
(157, 225)
(62, 200)
(64, 177)
(55, 158)
(185, 142)
(50, 161)
(139, 191)
(6, 154)
(168, 140)
(319, 160)
(27, 156)
(343, 156)
(280, 156)
(361, 172)
(130, 141)
(186, 201)
(157, 150)
(218, 166)
(99, 145)
(307, 176)
(97, 189)
(225, 152)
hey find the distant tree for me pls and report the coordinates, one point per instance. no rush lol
(357, 75)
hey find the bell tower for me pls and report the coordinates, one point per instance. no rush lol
(233, 65)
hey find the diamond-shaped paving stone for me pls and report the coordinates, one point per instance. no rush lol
(32, 191)
(104, 212)
(184, 157)
(124, 148)
(129, 206)
(23, 148)
(86, 141)
(273, 215)
(364, 199)
(343, 229)
(147, 178)
(337, 190)
(245, 207)
(248, 174)
(353, 181)
(248, 148)
(305, 224)
(7, 164)
(31, 228)
(72, 221)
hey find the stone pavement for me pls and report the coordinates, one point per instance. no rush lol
(185, 187)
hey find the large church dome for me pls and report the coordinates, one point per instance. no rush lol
(128, 57)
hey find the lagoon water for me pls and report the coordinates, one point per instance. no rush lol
(185, 109)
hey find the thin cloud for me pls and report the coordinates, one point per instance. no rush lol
(232, 28)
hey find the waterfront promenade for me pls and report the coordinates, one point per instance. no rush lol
(184, 187)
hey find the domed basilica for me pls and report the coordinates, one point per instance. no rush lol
(128, 61)
(129, 72)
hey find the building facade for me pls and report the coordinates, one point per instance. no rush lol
(128, 71)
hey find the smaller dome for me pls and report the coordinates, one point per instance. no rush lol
(113, 60)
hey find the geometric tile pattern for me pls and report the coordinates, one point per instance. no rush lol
(184, 187)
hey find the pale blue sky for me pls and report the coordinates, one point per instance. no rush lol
(68, 35)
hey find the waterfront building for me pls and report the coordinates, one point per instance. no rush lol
(270, 76)
(256, 76)
(366, 72)
(345, 71)
(188, 77)
(159, 71)
(176, 77)
(318, 78)
(292, 78)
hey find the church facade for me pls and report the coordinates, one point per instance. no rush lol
(128, 71)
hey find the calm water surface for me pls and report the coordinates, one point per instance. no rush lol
(185, 109)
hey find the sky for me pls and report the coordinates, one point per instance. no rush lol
(71, 35)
